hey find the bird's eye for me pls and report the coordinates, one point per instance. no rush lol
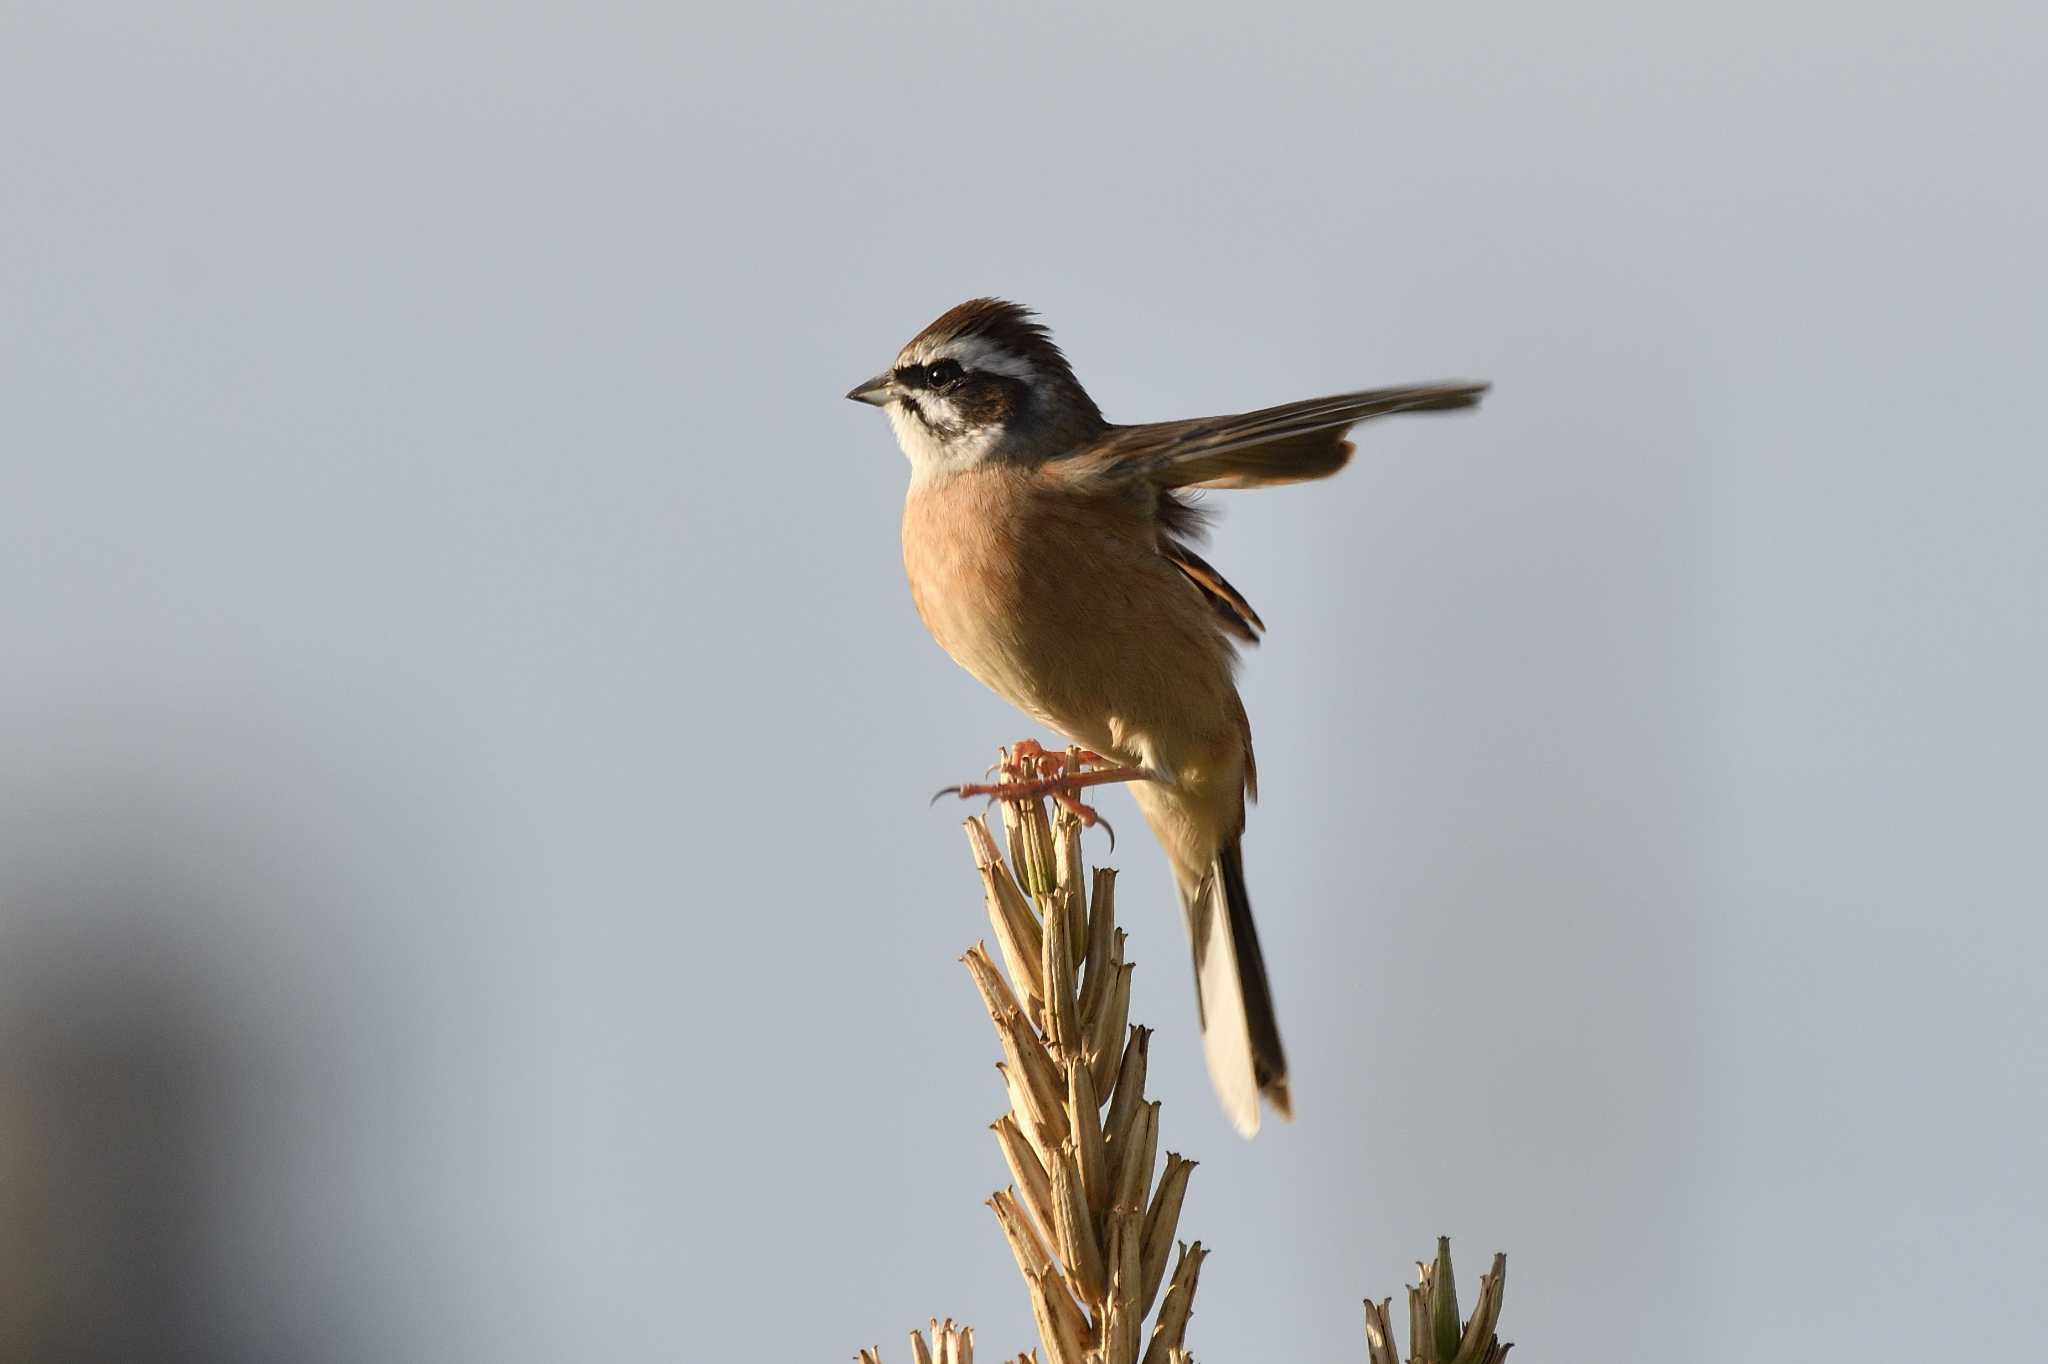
(942, 374)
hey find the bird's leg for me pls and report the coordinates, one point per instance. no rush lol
(1031, 755)
(1029, 760)
(1029, 770)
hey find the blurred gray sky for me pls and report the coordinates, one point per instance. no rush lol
(467, 887)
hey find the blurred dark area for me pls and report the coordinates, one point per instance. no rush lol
(113, 1077)
(214, 1091)
(121, 1079)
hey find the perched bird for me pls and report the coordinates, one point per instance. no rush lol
(1050, 553)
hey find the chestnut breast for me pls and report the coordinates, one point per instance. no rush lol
(1060, 602)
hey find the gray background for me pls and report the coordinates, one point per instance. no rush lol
(464, 737)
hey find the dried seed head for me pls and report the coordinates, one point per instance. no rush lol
(1087, 1239)
(1080, 1139)
(1436, 1335)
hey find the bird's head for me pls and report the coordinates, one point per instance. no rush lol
(984, 382)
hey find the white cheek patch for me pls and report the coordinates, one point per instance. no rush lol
(940, 411)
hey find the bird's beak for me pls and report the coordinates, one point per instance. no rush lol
(877, 390)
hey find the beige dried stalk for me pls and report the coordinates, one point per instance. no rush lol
(949, 1344)
(1091, 1228)
(1091, 1214)
(1436, 1333)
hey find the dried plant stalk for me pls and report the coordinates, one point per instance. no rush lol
(1089, 1226)
(1081, 1140)
(1082, 1217)
(1016, 927)
(1111, 1019)
(1160, 1224)
(1085, 1114)
(1033, 1187)
(1029, 835)
(1130, 1085)
(949, 1344)
(1025, 1242)
(1100, 952)
(1063, 1036)
(1172, 1327)
(1436, 1333)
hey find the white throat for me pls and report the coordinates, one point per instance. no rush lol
(932, 454)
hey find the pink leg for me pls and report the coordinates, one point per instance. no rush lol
(1064, 784)
(1031, 751)
(1030, 770)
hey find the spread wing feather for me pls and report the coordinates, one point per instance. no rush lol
(1285, 444)
(1290, 443)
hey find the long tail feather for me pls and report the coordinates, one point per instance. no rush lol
(1240, 1033)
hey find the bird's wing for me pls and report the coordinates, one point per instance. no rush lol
(1231, 608)
(1290, 443)
(1286, 444)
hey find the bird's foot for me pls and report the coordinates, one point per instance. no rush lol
(1030, 770)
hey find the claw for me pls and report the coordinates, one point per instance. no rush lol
(1029, 771)
(964, 792)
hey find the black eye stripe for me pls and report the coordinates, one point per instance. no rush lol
(940, 374)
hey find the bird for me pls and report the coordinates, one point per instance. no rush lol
(1052, 554)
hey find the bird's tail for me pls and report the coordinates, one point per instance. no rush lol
(1240, 1034)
